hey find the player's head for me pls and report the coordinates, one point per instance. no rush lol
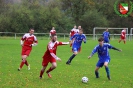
(101, 41)
(79, 27)
(31, 31)
(53, 28)
(75, 26)
(81, 31)
(53, 38)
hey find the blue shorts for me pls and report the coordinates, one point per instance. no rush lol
(100, 64)
(75, 49)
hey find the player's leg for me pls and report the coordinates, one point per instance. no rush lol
(42, 71)
(22, 62)
(124, 40)
(44, 64)
(54, 65)
(96, 72)
(98, 65)
(107, 69)
(75, 52)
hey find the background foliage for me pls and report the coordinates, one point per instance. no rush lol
(20, 15)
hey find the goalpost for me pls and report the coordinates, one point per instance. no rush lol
(111, 34)
(131, 33)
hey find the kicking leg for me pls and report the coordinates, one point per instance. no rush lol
(54, 65)
(71, 58)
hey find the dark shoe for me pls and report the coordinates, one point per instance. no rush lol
(68, 63)
(108, 77)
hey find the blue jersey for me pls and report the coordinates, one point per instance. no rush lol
(78, 40)
(102, 51)
(106, 36)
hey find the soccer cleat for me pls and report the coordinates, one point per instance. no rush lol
(108, 77)
(49, 75)
(68, 63)
(97, 77)
(29, 67)
(40, 77)
(18, 69)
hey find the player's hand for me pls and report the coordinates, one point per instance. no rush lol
(22, 44)
(89, 57)
(59, 59)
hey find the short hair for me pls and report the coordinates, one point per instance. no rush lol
(100, 39)
(31, 29)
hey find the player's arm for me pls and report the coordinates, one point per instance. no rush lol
(116, 49)
(22, 40)
(52, 54)
(62, 43)
(93, 52)
(35, 41)
(84, 39)
(112, 47)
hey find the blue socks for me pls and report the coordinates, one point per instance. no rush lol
(97, 74)
(70, 59)
(107, 71)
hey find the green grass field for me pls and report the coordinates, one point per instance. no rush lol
(64, 76)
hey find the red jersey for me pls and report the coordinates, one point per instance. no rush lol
(73, 31)
(123, 34)
(52, 32)
(51, 49)
(29, 39)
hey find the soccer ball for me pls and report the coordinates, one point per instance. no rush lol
(84, 79)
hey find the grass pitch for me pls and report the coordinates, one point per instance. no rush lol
(64, 76)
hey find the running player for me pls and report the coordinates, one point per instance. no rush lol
(27, 41)
(50, 55)
(103, 55)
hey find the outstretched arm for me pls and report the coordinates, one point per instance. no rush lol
(62, 43)
(93, 52)
(116, 49)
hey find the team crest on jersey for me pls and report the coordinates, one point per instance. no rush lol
(104, 48)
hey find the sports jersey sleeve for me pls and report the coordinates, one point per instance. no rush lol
(109, 46)
(22, 39)
(35, 41)
(62, 43)
(84, 39)
(93, 51)
(51, 52)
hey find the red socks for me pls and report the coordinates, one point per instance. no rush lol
(41, 73)
(26, 62)
(50, 69)
(22, 64)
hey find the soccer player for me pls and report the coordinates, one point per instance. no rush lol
(106, 36)
(123, 36)
(50, 55)
(73, 31)
(52, 32)
(78, 38)
(27, 41)
(103, 55)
